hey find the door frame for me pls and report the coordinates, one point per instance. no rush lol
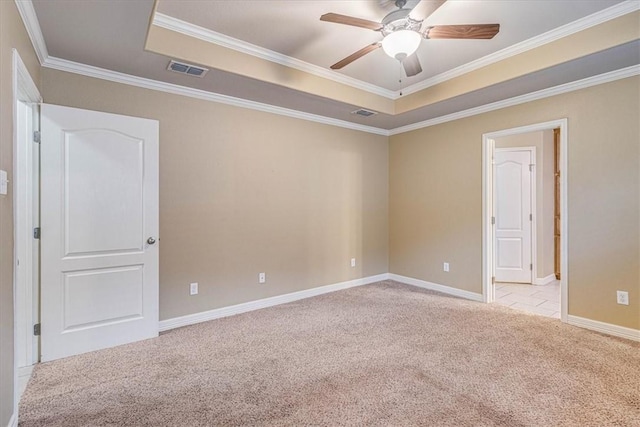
(488, 147)
(24, 297)
(532, 203)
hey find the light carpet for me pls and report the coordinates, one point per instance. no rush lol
(385, 354)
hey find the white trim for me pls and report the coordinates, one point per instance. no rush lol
(32, 25)
(192, 30)
(488, 145)
(23, 176)
(25, 276)
(103, 74)
(564, 219)
(611, 76)
(436, 287)
(13, 421)
(582, 24)
(25, 90)
(114, 76)
(605, 328)
(24, 244)
(24, 375)
(527, 129)
(488, 270)
(542, 281)
(218, 313)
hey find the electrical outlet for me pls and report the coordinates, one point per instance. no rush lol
(445, 267)
(353, 262)
(623, 297)
(262, 277)
(193, 289)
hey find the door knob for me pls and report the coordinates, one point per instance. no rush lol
(151, 240)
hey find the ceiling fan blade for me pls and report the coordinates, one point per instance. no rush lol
(350, 20)
(349, 59)
(478, 31)
(412, 65)
(425, 8)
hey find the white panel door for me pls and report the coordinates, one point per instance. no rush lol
(99, 221)
(512, 198)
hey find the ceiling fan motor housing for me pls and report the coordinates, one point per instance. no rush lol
(399, 20)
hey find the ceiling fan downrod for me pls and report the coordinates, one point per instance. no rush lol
(400, 3)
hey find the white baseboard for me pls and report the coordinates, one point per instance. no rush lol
(24, 375)
(605, 328)
(218, 313)
(541, 281)
(191, 319)
(436, 287)
(13, 421)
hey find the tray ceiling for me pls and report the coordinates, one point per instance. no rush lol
(293, 28)
(118, 36)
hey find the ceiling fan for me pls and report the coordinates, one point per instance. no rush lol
(403, 33)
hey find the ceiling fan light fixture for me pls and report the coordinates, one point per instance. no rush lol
(401, 43)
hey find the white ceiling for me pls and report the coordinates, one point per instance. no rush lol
(111, 35)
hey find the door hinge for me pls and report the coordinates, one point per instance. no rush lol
(493, 220)
(36, 233)
(36, 136)
(531, 267)
(530, 217)
(36, 329)
(493, 280)
(531, 167)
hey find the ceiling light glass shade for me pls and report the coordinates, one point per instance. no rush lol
(401, 43)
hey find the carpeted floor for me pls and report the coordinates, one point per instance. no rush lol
(381, 355)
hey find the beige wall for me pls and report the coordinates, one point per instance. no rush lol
(436, 197)
(244, 192)
(543, 142)
(12, 35)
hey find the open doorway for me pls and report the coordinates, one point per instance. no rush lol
(524, 208)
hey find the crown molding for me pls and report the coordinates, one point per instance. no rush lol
(620, 9)
(192, 30)
(32, 25)
(28, 15)
(186, 28)
(611, 76)
(114, 76)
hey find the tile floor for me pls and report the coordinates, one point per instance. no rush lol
(543, 300)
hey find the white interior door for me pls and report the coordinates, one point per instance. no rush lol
(513, 215)
(99, 221)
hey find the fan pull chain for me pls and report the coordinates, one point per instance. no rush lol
(400, 74)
